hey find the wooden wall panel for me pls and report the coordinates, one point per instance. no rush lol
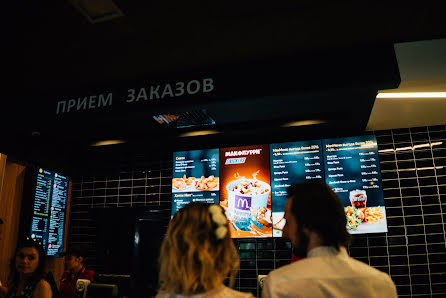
(10, 204)
(2, 172)
(11, 195)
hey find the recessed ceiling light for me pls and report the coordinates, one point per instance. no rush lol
(107, 143)
(98, 10)
(412, 95)
(199, 133)
(303, 123)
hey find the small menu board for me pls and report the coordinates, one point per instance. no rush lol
(49, 209)
(352, 171)
(195, 178)
(291, 163)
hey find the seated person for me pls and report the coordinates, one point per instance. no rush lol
(75, 269)
(27, 276)
(197, 254)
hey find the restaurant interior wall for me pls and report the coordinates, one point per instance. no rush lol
(12, 179)
(413, 251)
(15, 190)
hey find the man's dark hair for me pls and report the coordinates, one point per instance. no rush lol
(77, 251)
(317, 207)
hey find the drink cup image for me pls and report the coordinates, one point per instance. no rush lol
(245, 198)
(358, 198)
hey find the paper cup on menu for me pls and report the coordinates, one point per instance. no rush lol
(358, 198)
(241, 201)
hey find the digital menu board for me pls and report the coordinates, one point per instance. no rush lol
(246, 190)
(195, 178)
(352, 171)
(49, 210)
(291, 163)
(253, 181)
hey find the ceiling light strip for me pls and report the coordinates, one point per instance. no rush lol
(412, 95)
(411, 148)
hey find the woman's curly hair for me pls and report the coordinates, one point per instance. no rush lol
(192, 259)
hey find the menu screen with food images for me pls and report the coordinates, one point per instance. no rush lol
(246, 190)
(352, 171)
(251, 182)
(48, 220)
(290, 163)
(195, 177)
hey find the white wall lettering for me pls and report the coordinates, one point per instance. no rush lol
(141, 94)
(81, 104)
(154, 92)
(179, 88)
(167, 90)
(71, 103)
(60, 103)
(130, 95)
(105, 101)
(160, 91)
(190, 87)
(208, 85)
(92, 102)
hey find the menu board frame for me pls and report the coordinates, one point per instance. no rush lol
(300, 161)
(47, 211)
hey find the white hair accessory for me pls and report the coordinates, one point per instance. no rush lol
(220, 220)
(214, 209)
(220, 232)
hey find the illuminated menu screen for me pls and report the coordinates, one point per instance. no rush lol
(251, 182)
(49, 209)
(195, 178)
(352, 171)
(291, 163)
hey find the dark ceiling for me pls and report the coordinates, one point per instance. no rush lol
(52, 44)
(52, 49)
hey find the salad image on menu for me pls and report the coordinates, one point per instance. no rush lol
(352, 171)
(290, 163)
(195, 177)
(246, 191)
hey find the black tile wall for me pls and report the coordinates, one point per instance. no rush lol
(413, 252)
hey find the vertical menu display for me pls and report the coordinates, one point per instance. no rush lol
(49, 209)
(57, 215)
(352, 171)
(246, 190)
(291, 163)
(195, 177)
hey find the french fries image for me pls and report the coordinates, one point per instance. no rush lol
(355, 217)
(372, 214)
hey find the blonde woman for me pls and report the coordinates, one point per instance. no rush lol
(198, 254)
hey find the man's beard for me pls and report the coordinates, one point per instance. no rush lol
(300, 248)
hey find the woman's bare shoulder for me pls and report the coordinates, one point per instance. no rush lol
(42, 290)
